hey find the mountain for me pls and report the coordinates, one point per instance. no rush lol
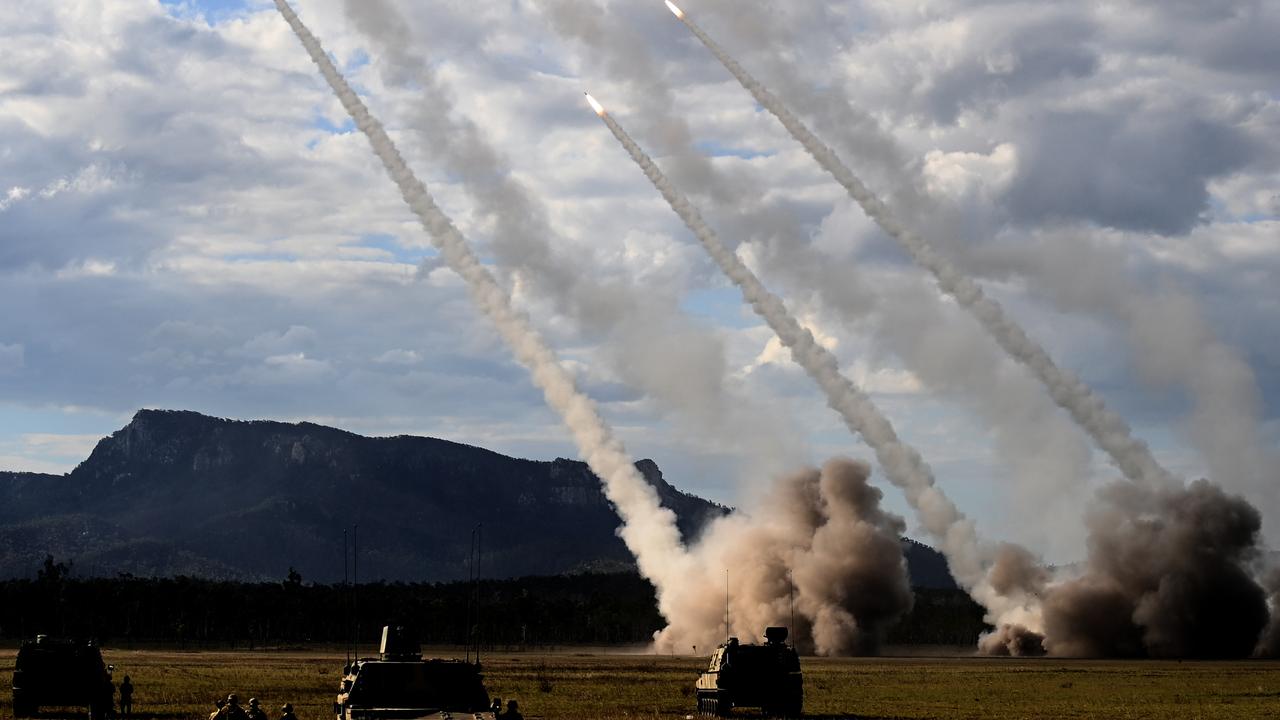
(180, 493)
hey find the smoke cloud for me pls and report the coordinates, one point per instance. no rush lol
(904, 466)
(1269, 645)
(645, 336)
(1173, 344)
(819, 555)
(1044, 453)
(1109, 430)
(1168, 575)
(648, 529)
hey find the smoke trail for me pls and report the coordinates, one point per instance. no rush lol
(648, 529)
(1046, 455)
(820, 556)
(641, 331)
(902, 464)
(1109, 430)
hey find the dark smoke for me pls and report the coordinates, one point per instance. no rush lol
(1012, 640)
(1168, 575)
(854, 574)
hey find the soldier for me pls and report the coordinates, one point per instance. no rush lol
(108, 696)
(217, 708)
(496, 707)
(126, 697)
(232, 710)
(513, 711)
(255, 712)
(287, 709)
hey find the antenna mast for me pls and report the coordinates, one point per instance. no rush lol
(479, 552)
(469, 628)
(355, 586)
(791, 583)
(346, 601)
(726, 604)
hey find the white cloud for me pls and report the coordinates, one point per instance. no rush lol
(399, 356)
(182, 228)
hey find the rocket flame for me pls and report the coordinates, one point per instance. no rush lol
(595, 105)
(675, 10)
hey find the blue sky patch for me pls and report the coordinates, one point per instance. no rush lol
(717, 149)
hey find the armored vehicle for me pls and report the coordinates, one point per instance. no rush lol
(762, 676)
(62, 673)
(400, 684)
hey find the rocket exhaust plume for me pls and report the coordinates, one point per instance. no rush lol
(902, 464)
(1107, 429)
(675, 10)
(1168, 575)
(819, 555)
(648, 529)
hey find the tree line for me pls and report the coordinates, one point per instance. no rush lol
(585, 609)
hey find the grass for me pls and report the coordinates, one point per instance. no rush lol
(615, 686)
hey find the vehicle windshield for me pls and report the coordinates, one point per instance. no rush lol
(440, 685)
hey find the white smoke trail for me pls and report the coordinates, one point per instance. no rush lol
(903, 465)
(1109, 430)
(648, 529)
(640, 332)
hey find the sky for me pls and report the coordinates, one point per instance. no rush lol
(188, 220)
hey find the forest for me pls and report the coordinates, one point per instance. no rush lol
(510, 614)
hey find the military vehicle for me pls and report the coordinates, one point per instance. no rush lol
(62, 673)
(400, 684)
(761, 676)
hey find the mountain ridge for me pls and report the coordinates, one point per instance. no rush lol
(175, 492)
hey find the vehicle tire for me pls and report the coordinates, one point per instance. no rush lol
(23, 708)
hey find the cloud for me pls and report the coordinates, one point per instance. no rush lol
(185, 221)
(1147, 170)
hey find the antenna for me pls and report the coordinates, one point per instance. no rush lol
(791, 582)
(355, 586)
(479, 631)
(726, 604)
(469, 628)
(346, 588)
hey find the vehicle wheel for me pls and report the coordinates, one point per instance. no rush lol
(22, 708)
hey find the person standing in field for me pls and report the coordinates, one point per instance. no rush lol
(108, 696)
(217, 708)
(232, 710)
(126, 697)
(513, 711)
(255, 712)
(288, 712)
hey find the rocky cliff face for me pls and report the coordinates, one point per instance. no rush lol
(175, 493)
(179, 492)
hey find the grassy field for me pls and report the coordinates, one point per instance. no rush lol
(607, 686)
